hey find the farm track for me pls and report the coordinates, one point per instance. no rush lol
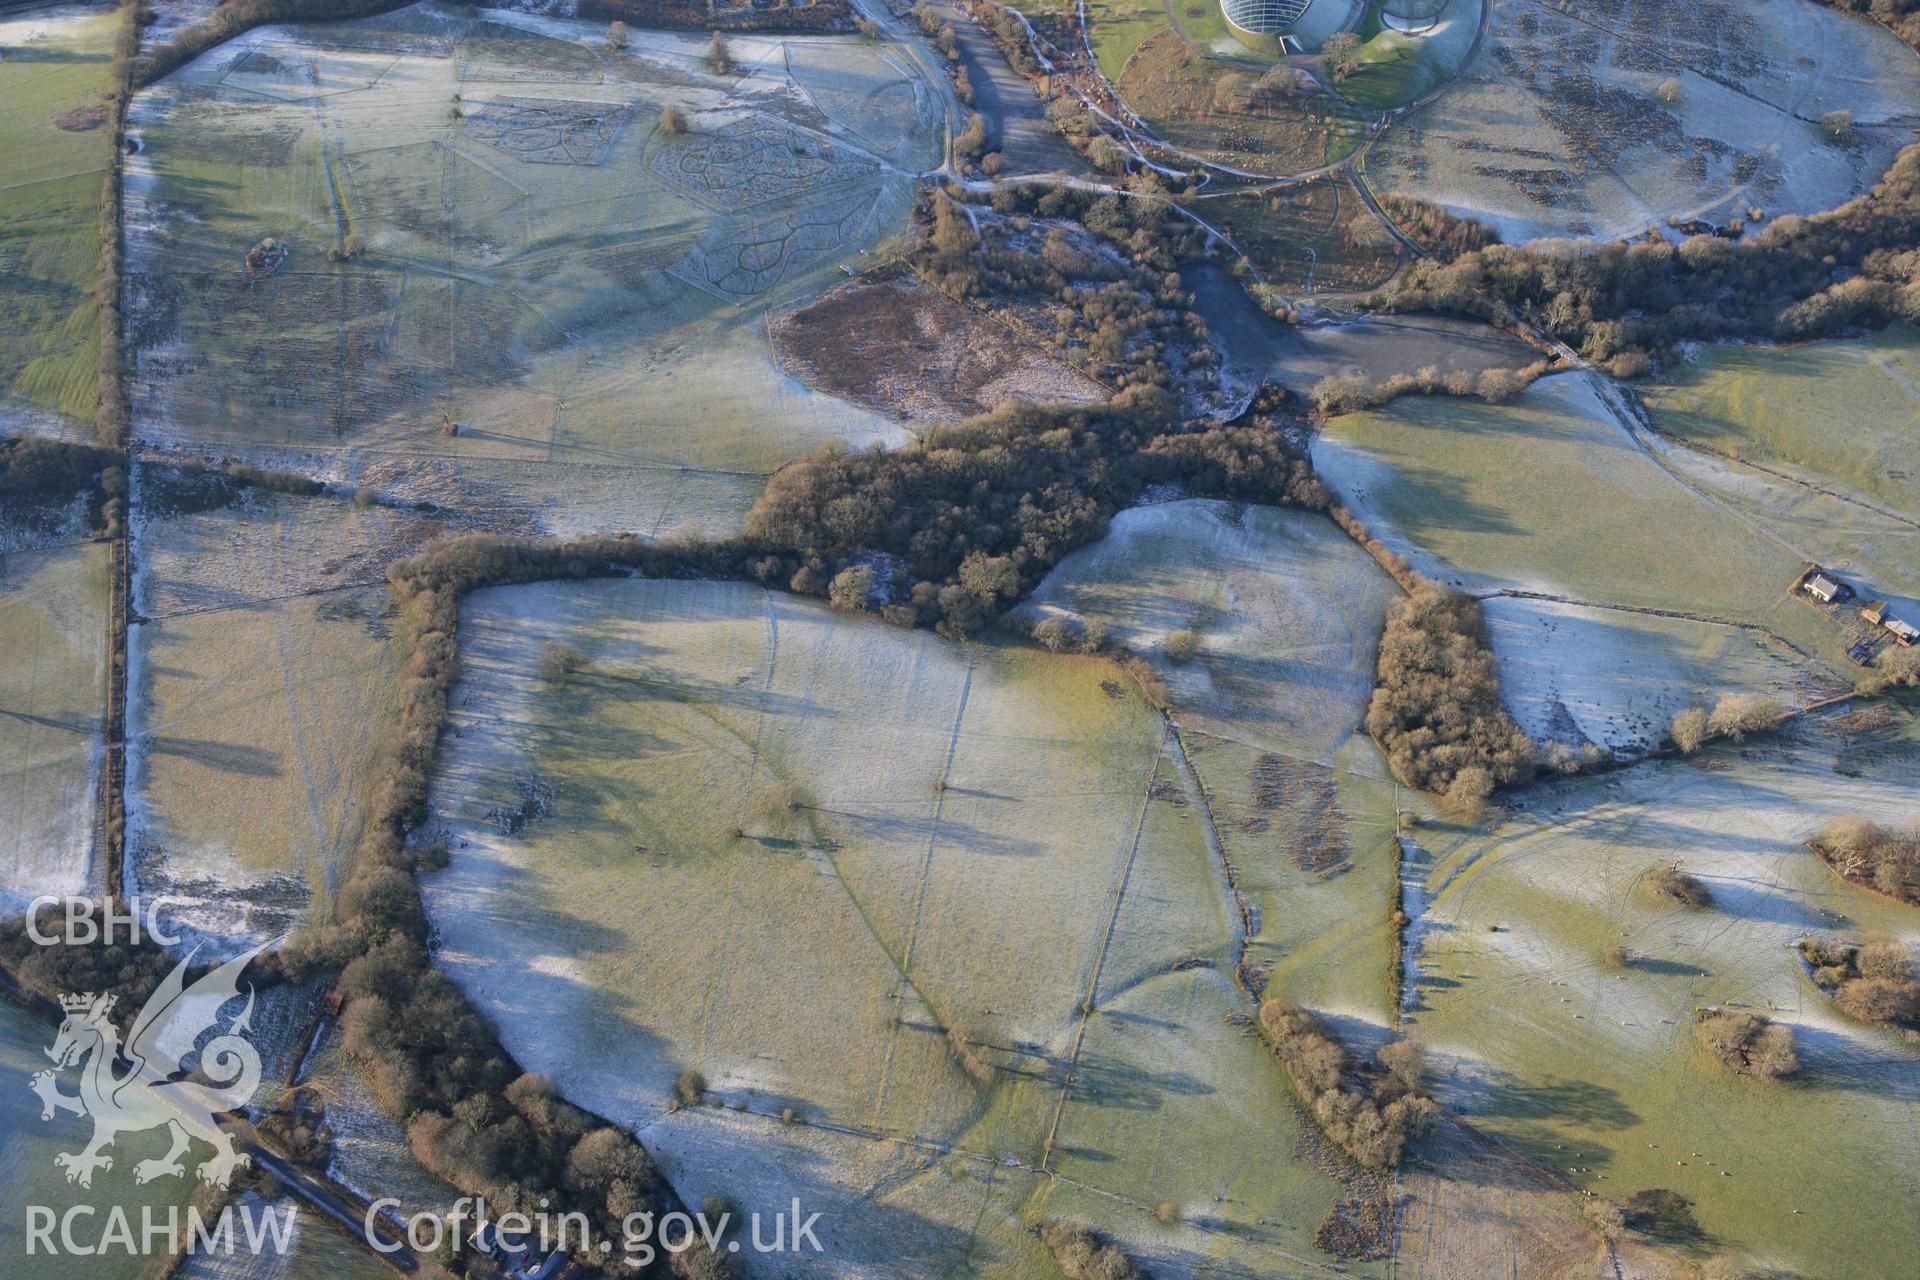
(255, 602)
(1648, 424)
(298, 733)
(33, 691)
(1629, 415)
(711, 997)
(1090, 1004)
(1245, 917)
(158, 452)
(920, 885)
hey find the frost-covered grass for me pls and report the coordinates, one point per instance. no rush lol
(54, 63)
(1554, 129)
(1576, 675)
(865, 90)
(709, 708)
(886, 1209)
(742, 703)
(53, 652)
(790, 849)
(1286, 611)
(1879, 553)
(250, 730)
(1176, 1105)
(1550, 493)
(1591, 1068)
(1836, 413)
(261, 676)
(583, 292)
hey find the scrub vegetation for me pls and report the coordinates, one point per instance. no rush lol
(1884, 859)
(1370, 1110)
(1674, 885)
(977, 513)
(1437, 711)
(1873, 982)
(1749, 1043)
(1799, 277)
(1082, 1255)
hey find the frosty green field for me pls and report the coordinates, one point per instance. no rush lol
(53, 638)
(1287, 613)
(1616, 678)
(53, 133)
(792, 850)
(656, 570)
(260, 678)
(490, 251)
(250, 736)
(1557, 126)
(1559, 495)
(1592, 1069)
(1285, 609)
(1780, 407)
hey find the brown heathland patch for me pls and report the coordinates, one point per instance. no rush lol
(913, 353)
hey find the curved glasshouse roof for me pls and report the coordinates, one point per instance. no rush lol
(1264, 17)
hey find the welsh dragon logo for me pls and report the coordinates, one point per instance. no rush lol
(155, 1090)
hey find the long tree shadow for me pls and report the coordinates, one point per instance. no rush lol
(1578, 1102)
(1864, 1063)
(1666, 968)
(66, 724)
(47, 53)
(228, 757)
(766, 1167)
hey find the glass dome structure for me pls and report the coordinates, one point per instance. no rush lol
(1263, 17)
